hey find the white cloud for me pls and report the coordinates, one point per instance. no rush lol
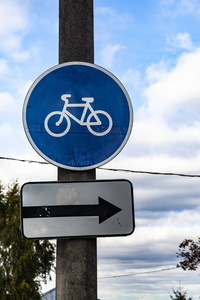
(23, 89)
(5, 131)
(13, 17)
(104, 11)
(176, 92)
(110, 16)
(154, 136)
(20, 55)
(190, 5)
(25, 172)
(108, 54)
(156, 72)
(133, 77)
(110, 25)
(180, 7)
(4, 68)
(166, 128)
(14, 25)
(181, 41)
(7, 102)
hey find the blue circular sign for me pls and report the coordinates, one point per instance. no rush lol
(77, 116)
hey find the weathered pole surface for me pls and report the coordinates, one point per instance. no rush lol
(76, 266)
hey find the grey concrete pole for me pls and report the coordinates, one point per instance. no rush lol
(76, 265)
(76, 38)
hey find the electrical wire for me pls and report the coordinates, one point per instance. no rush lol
(24, 160)
(112, 169)
(151, 173)
(134, 274)
(141, 273)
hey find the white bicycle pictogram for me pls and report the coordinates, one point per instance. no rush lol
(94, 118)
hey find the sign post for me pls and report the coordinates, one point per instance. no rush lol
(76, 265)
(78, 116)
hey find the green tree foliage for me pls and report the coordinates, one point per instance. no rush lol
(179, 294)
(22, 262)
(189, 250)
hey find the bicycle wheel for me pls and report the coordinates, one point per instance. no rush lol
(56, 126)
(99, 123)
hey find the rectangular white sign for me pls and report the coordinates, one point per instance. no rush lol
(77, 209)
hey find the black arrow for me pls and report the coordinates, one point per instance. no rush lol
(104, 210)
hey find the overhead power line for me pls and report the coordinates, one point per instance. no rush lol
(135, 274)
(141, 273)
(25, 160)
(111, 169)
(150, 172)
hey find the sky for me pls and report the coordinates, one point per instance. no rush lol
(153, 48)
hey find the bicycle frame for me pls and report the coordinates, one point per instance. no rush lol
(81, 120)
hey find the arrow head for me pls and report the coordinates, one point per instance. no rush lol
(106, 210)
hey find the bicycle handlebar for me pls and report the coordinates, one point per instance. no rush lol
(65, 96)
